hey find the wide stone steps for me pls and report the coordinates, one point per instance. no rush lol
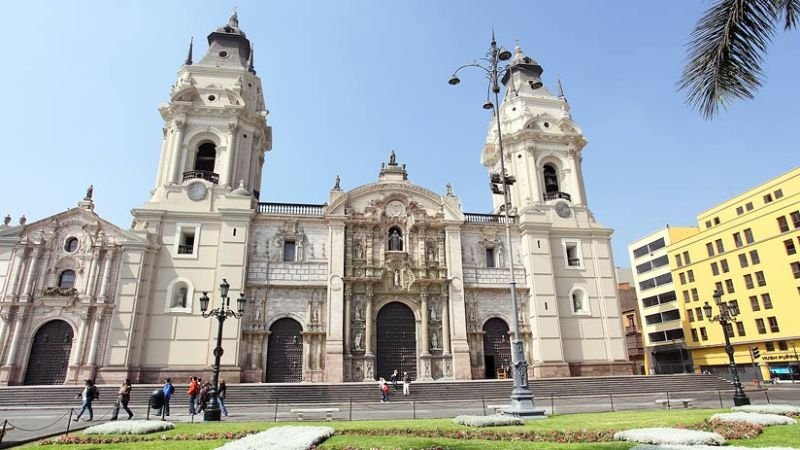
(263, 394)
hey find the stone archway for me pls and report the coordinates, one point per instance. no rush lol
(397, 341)
(285, 352)
(496, 349)
(49, 358)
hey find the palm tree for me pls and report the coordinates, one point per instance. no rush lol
(726, 50)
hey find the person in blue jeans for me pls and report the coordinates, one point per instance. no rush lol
(168, 389)
(88, 395)
(221, 397)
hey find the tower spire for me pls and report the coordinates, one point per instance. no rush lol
(251, 61)
(561, 88)
(188, 61)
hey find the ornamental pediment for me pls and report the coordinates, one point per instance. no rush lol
(394, 202)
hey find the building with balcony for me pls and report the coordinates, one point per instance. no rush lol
(631, 324)
(660, 311)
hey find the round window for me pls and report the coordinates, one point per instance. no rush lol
(71, 245)
(223, 54)
(547, 124)
(211, 98)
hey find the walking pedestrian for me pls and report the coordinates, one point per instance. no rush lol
(123, 397)
(406, 384)
(88, 394)
(194, 389)
(205, 393)
(221, 397)
(168, 389)
(384, 387)
(395, 376)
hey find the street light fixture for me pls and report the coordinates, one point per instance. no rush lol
(726, 317)
(522, 402)
(212, 412)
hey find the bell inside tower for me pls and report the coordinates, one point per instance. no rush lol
(550, 179)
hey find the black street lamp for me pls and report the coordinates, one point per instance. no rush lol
(726, 317)
(212, 412)
(522, 404)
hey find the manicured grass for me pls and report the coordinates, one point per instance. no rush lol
(774, 436)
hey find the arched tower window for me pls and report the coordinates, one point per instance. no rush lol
(580, 302)
(206, 157)
(67, 279)
(395, 239)
(550, 179)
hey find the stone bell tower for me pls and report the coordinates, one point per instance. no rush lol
(200, 211)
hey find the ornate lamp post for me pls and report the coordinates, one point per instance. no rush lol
(522, 404)
(212, 412)
(726, 317)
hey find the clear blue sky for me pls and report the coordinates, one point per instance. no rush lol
(348, 81)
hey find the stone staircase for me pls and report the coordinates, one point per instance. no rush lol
(263, 394)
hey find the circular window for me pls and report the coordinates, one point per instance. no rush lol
(223, 54)
(547, 124)
(71, 245)
(211, 98)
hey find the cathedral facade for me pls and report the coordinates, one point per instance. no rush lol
(389, 275)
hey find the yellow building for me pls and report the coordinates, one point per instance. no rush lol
(749, 248)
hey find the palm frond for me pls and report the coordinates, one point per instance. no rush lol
(725, 53)
(790, 10)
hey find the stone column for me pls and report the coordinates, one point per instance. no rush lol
(98, 317)
(348, 312)
(445, 325)
(175, 156)
(459, 345)
(423, 297)
(106, 273)
(16, 272)
(4, 319)
(77, 352)
(32, 268)
(230, 156)
(12, 349)
(91, 274)
(334, 353)
(368, 320)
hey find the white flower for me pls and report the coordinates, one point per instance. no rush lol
(669, 436)
(769, 409)
(282, 438)
(130, 427)
(497, 420)
(704, 447)
(760, 419)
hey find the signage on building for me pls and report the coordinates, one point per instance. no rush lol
(783, 357)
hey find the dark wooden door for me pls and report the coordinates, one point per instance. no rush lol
(497, 344)
(397, 341)
(50, 352)
(285, 352)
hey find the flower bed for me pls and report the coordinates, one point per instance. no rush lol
(729, 430)
(497, 420)
(760, 419)
(100, 439)
(282, 438)
(562, 436)
(130, 427)
(662, 436)
(783, 410)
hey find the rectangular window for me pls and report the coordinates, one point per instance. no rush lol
(773, 324)
(795, 219)
(739, 210)
(748, 206)
(708, 224)
(748, 281)
(650, 301)
(782, 346)
(690, 315)
(490, 257)
(714, 269)
(682, 277)
(754, 303)
(767, 301)
(694, 335)
(760, 280)
(718, 286)
(186, 243)
(770, 346)
(729, 286)
(289, 251)
(686, 257)
(716, 220)
(660, 261)
(703, 333)
(790, 248)
(733, 305)
(767, 198)
(647, 284)
(754, 257)
(760, 326)
(686, 296)
(778, 194)
(698, 312)
(737, 239)
(187, 240)
(720, 247)
(572, 250)
(690, 275)
(795, 269)
(729, 330)
(783, 225)
(664, 279)
(724, 264)
(710, 248)
(695, 296)
(743, 260)
(641, 251)
(748, 236)
(740, 328)
(678, 260)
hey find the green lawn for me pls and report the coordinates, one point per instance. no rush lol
(391, 434)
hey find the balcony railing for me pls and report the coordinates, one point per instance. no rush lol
(56, 291)
(487, 218)
(293, 209)
(202, 174)
(185, 249)
(557, 195)
(574, 262)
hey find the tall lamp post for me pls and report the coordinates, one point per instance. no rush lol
(726, 317)
(212, 412)
(522, 404)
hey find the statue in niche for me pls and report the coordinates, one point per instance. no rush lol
(521, 315)
(180, 298)
(314, 313)
(396, 278)
(433, 309)
(434, 341)
(395, 241)
(358, 250)
(472, 314)
(358, 312)
(430, 254)
(357, 340)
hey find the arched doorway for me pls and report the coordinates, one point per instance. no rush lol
(397, 341)
(496, 349)
(285, 352)
(49, 356)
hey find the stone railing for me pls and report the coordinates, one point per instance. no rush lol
(487, 218)
(55, 291)
(202, 174)
(291, 209)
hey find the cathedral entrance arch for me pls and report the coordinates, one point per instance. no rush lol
(496, 349)
(397, 341)
(285, 352)
(49, 358)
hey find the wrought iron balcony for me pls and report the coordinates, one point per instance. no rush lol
(202, 174)
(185, 249)
(487, 218)
(557, 195)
